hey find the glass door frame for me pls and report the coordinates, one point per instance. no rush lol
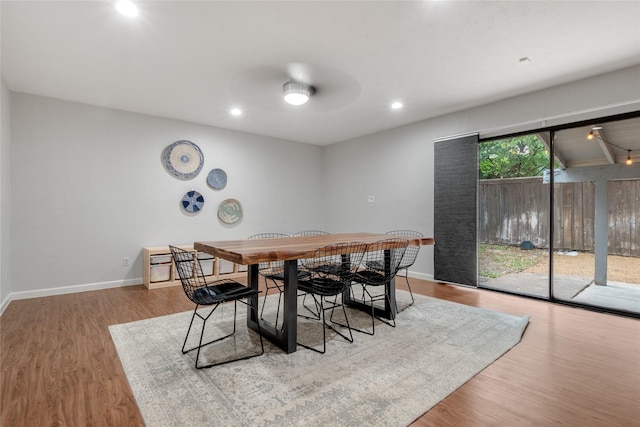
(552, 130)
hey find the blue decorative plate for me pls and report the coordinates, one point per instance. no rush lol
(217, 179)
(183, 159)
(230, 211)
(193, 201)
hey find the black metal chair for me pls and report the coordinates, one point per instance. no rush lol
(410, 256)
(302, 271)
(273, 273)
(210, 294)
(331, 270)
(310, 233)
(381, 266)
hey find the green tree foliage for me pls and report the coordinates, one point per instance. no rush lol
(513, 157)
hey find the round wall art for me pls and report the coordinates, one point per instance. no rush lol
(217, 179)
(183, 159)
(230, 211)
(192, 201)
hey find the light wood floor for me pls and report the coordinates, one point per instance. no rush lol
(573, 367)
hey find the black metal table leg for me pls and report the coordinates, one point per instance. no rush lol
(287, 338)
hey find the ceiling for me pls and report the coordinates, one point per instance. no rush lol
(194, 61)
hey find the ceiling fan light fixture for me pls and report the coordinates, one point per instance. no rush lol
(297, 93)
(127, 8)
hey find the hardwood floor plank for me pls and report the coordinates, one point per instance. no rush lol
(59, 366)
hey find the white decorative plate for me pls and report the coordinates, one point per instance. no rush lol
(183, 159)
(230, 211)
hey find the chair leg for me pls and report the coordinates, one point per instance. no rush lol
(406, 278)
(189, 330)
(326, 325)
(316, 313)
(372, 299)
(391, 322)
(324, 333)
(365, 293)
(267, 287)
(204, 319)
(346, 318)
(200, 345)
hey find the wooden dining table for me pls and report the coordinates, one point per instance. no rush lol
(252, 252)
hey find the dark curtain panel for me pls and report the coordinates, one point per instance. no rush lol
(455, 219)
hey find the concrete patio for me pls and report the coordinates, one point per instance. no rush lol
(616, 295)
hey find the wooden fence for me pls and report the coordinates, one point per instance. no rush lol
(514, 210)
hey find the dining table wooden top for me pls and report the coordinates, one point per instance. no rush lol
(254, 251)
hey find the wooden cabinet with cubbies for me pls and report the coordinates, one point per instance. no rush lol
(158, 269)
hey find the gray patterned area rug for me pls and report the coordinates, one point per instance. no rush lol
(388, 379)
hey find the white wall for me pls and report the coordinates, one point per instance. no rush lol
(5, 196)
(89, 188)
(396, 166)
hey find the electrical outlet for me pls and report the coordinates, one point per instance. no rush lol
(126, 262)
(371, 199)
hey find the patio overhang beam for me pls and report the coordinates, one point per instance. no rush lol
(544, 137)
(606, 148)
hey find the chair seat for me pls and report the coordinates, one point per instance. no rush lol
(371, 278)
(323, 286)
(280, 276)
(376, 265)
(334, 269)
(226, 290)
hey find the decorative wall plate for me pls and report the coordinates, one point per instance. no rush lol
(217, 179)
(230, 211)
(183, 159)
(192, 201)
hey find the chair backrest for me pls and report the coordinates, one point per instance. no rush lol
(411, 253)
(267, 236)
(189, 271)
(338, 262)
(385, 252)
(310, 233)
(273, 267)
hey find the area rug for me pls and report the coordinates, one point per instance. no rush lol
(388, 379)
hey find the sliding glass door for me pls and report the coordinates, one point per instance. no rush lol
(596, 243)
(513, 215)
(584, 219)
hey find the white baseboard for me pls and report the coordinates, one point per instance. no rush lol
(67, 290)
(5, 303)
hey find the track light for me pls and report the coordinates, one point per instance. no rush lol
(592, 135)
(297, 93)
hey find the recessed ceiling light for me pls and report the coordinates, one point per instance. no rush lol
(127, 8)
(396, 105)
(236, 111)
(525, 60)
